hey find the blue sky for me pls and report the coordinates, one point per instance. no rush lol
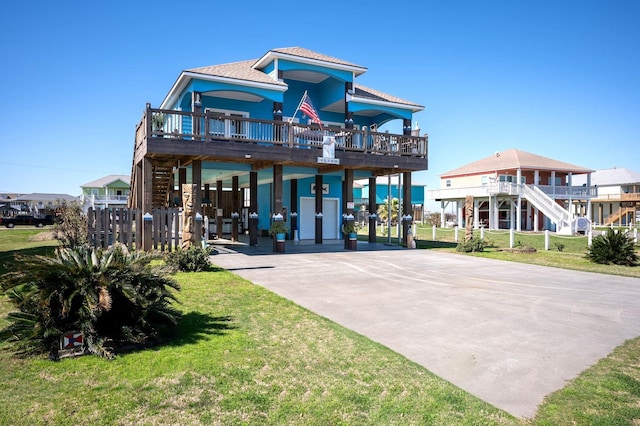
(556, 78)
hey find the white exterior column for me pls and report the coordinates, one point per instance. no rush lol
(459, 213)
(511, 215)
(519, 205)
(476, 214)
(570, 184)
(536, 225)
(442, 207)
(589, 197)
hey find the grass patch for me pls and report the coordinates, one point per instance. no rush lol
(608, 393)
(571, 256)
(242, 355)
(24, 241)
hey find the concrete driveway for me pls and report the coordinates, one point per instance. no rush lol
(506, 332)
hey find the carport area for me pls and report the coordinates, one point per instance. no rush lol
(506, 332)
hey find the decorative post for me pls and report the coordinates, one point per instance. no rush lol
(198, 230)
(468, 217)
(279, 232)
(188, 196)
(407, 220)
(349, 231)
(147, 219)
(253, 229)
(294, 226)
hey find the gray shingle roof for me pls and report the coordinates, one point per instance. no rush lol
(237, 70)
(310, 54)
(514, 159)
(369, 93)
(607, 177)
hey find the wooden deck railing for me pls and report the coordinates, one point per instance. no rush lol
(211, 127)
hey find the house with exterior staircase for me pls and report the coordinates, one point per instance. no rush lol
(518, 190)
(618, 198)
(286, 133)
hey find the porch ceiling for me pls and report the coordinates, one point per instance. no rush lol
(213, 172)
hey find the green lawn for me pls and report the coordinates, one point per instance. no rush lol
(243, 355)
(564, 251)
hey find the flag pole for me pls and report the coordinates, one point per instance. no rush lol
(297, 109)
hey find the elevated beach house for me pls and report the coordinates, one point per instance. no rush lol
(618, 198)
(286, 133)
(519, 190)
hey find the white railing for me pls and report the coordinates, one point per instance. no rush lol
(461, 193)
(547, 205)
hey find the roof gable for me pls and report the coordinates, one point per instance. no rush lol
(306, 55)
(514, 159)
(107, 180)
(241, 70)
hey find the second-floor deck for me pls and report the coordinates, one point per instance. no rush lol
(219, 137)
(514, 189)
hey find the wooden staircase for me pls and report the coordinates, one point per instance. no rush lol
(162, 178)
(617, 216)
(161, 183)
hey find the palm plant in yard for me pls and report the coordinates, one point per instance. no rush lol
(112, 296)
(613, 248)
(383, 210)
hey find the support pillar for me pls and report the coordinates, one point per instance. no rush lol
(318, 233)
(235, 213)
(347, 201)
(277, 201)
(407, 205)
(253, 209)
(219, 212)
(373, 214)
(293, 205)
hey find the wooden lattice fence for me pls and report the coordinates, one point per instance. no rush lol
(108, 226)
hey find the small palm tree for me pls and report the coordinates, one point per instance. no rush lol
(383, 210)
(111, 296)
(613, 248)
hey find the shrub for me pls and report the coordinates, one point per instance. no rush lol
(613, 248)
(71, 230)
(194, 259)
(111, 296)
(474, 244)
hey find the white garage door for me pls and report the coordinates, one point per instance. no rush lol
(307, 219)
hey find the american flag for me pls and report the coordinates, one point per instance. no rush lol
(307, 108)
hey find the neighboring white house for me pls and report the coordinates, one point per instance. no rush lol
(108, 191)
(618, 199)
(518, 190)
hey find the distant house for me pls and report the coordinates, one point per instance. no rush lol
(108, 191)
(518, 190)
(40, 203)
(618, 198)
(383, 187)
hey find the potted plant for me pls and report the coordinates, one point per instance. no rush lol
(279, 229)
(157, 121)
(350, 228)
